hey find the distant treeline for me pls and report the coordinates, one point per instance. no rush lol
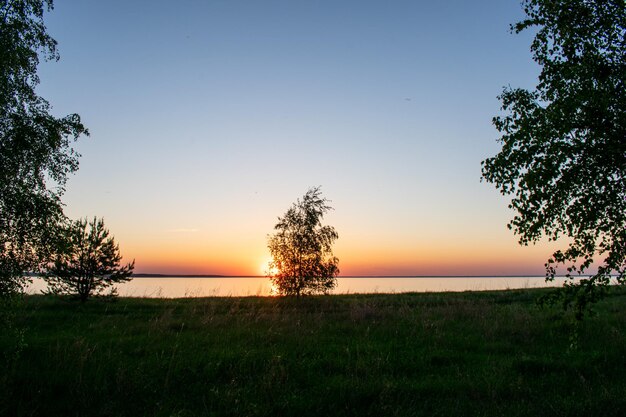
(176, 276)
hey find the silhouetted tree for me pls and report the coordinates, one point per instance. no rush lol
(301, 248)
(563, 156)
(89, 262)
(35, 147)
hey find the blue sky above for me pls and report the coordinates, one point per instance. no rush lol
(209, 118)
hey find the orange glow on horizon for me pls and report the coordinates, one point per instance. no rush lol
(358, 256)
(355, 264)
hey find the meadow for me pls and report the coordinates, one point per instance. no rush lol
(490, 353)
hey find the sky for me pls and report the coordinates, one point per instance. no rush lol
(208, 119)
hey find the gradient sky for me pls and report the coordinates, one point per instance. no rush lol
(208, 119)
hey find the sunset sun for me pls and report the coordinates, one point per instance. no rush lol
(264, 267)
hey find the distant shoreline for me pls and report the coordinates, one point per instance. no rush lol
(178, 276)
(148, 275)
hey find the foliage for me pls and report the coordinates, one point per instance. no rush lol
(301, 248)
(36, 155)
(13, 329)
(89, 263)
(563, 156)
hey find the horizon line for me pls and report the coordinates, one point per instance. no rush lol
(160, 275)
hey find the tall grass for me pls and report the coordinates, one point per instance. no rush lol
(483, 353)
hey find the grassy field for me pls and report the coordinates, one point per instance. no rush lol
(482, 353)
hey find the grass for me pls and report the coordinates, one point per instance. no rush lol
(474, 353)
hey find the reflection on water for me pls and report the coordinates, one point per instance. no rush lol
(172, 287)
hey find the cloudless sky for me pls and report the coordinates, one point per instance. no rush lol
(208, 119)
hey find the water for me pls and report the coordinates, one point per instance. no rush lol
(175, 287)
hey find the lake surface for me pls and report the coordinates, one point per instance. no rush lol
(175, 287)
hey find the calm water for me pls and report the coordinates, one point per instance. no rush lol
(173, 287)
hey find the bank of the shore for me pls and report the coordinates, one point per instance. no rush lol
(475, 353)
(177, 287)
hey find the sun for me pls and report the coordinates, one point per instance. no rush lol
(264, 268)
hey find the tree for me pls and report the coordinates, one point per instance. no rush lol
(36, 154)
(563, 156)
(89, 262)
(301, 248)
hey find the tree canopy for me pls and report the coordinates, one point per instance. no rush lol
(88, 263)
(36, 154)
(563, 156)
(301, 248)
